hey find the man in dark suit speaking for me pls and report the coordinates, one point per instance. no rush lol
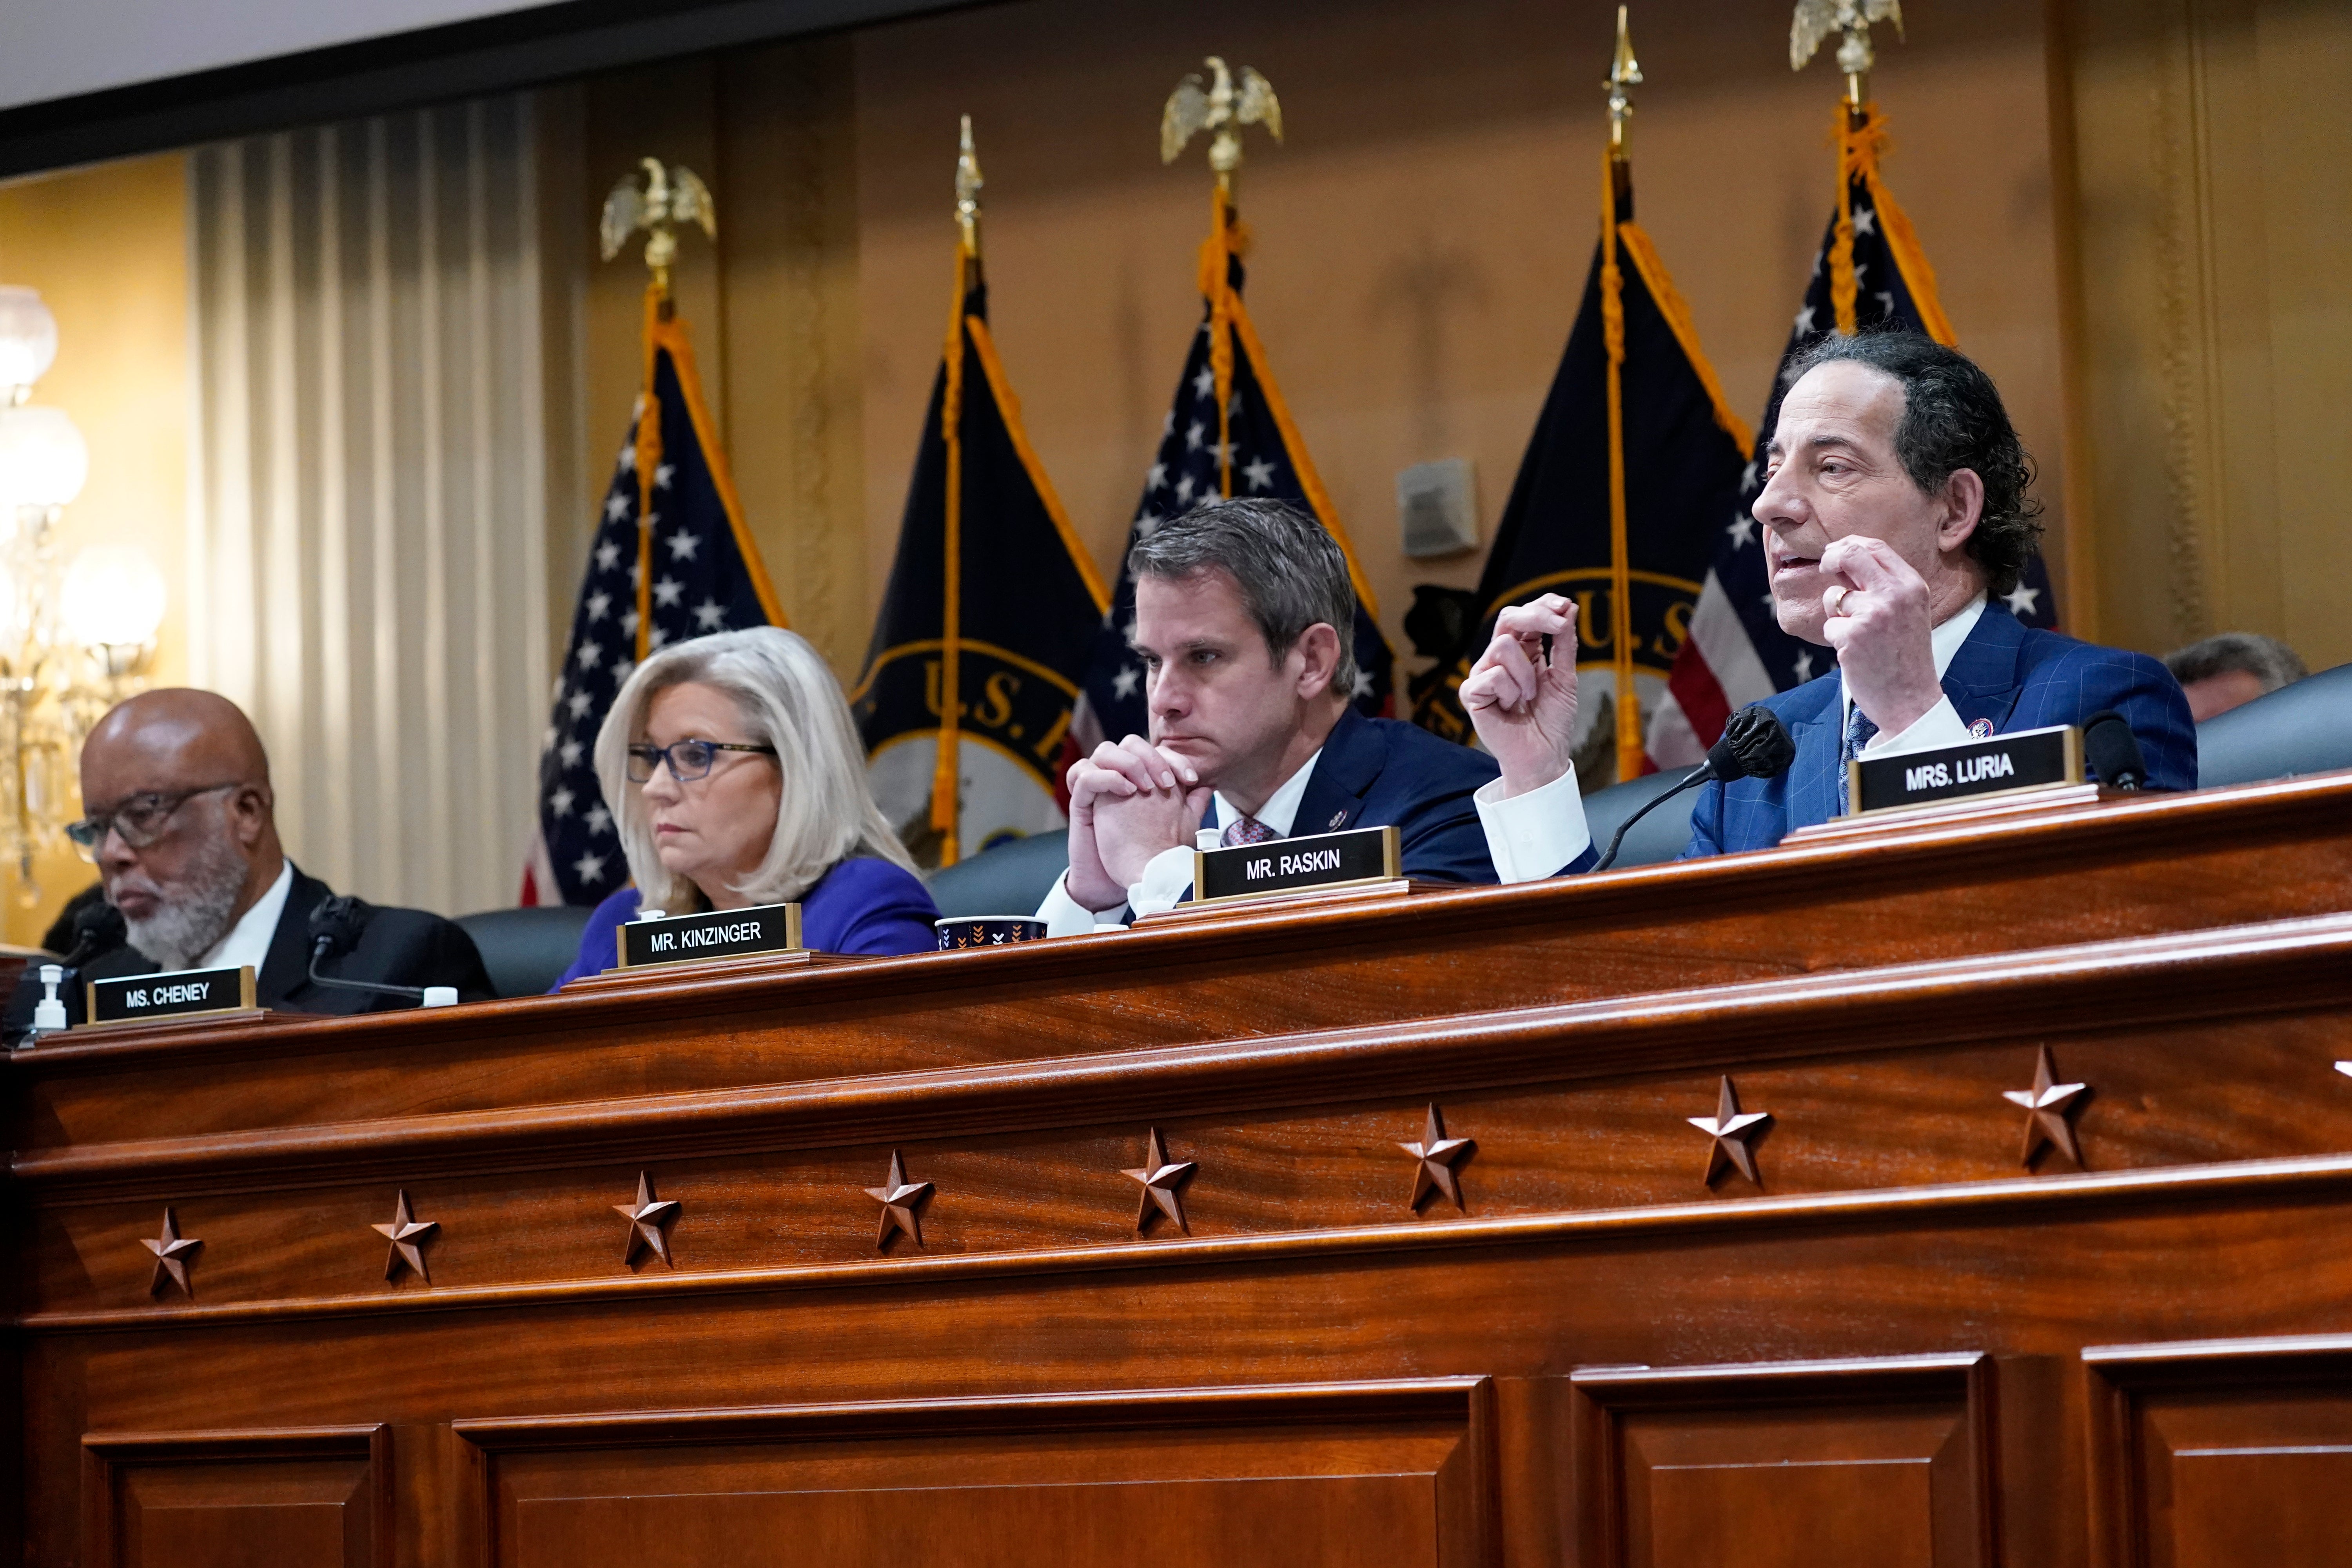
(1239, 611)
(1897, 520)
(181, 822)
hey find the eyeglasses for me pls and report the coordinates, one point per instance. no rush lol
(141, 820)
(687, 760)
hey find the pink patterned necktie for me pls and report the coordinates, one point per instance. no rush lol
(1248, 830)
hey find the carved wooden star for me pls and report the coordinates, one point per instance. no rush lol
(171, 1250)
(2050, 1106)
(1434, 1159)
(1730, 1128)
(1160, 1180)
(407, 1235)
(649, 1221)
(900, 1199)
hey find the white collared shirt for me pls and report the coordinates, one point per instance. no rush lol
(247, 941)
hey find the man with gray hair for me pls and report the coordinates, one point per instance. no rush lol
(1240, 614)
(2231, 670)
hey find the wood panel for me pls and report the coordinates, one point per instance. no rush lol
(248, 1498)
(1372, 1474)
(2223, 1453)
(1881, 1461)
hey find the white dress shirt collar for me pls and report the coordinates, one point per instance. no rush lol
(249, 940)
(1281, 807)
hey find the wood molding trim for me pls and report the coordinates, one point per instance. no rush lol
(2044, 1198)
(105, 1455)
(2120, 1378)
(2037, 995)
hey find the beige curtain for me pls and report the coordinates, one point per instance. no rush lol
(367, 552)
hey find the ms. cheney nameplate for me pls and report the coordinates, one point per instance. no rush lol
(1289, 865)
(134, 998)
(2029, 759)
(720, 933)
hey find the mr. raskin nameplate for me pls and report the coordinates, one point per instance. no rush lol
(134, 998)
(1289, 865)
(720, 933)
(2029, 759)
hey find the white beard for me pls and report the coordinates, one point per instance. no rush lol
(196, 910)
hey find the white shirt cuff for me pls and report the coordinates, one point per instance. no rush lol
(1063, 915)
(1166, 878)
(1533, 835)
(1938, 726)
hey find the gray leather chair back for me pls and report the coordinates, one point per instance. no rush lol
(526, 949)
(1011, 880)
(2305, 727)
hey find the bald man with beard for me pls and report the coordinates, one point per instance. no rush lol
(181, 825)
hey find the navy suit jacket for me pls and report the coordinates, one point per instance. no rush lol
(2012, 677)
(1377, 771)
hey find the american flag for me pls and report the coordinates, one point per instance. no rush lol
(1260, 449)
(670, 512)
(1737, 653)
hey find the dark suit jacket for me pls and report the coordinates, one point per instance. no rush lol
(399, 947)
(1377, 771)
(2014, 678)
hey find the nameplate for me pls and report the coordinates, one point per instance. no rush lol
(1289, 865)
(2029, 759)
(134, 998)
(720, 933)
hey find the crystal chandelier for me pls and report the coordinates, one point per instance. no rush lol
(72, 643)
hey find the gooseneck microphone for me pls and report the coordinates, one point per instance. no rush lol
(1755, 745)
(2113, 751)
(336, 926)
(98, 930)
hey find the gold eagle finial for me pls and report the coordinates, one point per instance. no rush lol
(1817, 19)
(1222, 108)
(1624, 71)
(672, 196)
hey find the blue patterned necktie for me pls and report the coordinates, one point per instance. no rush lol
(1858, 733)
(1248, 830)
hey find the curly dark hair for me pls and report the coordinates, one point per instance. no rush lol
(1952, 419)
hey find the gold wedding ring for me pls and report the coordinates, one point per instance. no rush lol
(1838, 609)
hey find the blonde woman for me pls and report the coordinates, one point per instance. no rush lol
(735, 778)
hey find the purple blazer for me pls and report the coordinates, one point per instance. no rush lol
(862, 905)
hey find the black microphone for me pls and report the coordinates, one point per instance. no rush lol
(1755, 745)
(2114, 750)
(98, 930)
(336, 926)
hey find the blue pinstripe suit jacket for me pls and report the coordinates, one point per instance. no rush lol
(2015, 678)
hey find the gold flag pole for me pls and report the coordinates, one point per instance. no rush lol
(1861, 132)
(671, 196)
(947, 777)
(1616, 206)
(1223, 108)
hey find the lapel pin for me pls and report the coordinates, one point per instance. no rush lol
(1338, 817)
(1980, 729)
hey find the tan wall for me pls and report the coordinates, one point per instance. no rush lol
(107, 246)
(2212, 166)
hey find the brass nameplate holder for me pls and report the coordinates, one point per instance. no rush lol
(169, 997)
(2043, 759)
(718, 933)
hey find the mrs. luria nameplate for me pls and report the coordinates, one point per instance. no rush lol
(136, 998)
(2029, 759)
(1289, 865)
(720, 933)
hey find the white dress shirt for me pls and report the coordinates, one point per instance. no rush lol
(247, 941)
(1520, 834)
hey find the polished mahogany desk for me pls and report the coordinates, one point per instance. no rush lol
(1119, 1250)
